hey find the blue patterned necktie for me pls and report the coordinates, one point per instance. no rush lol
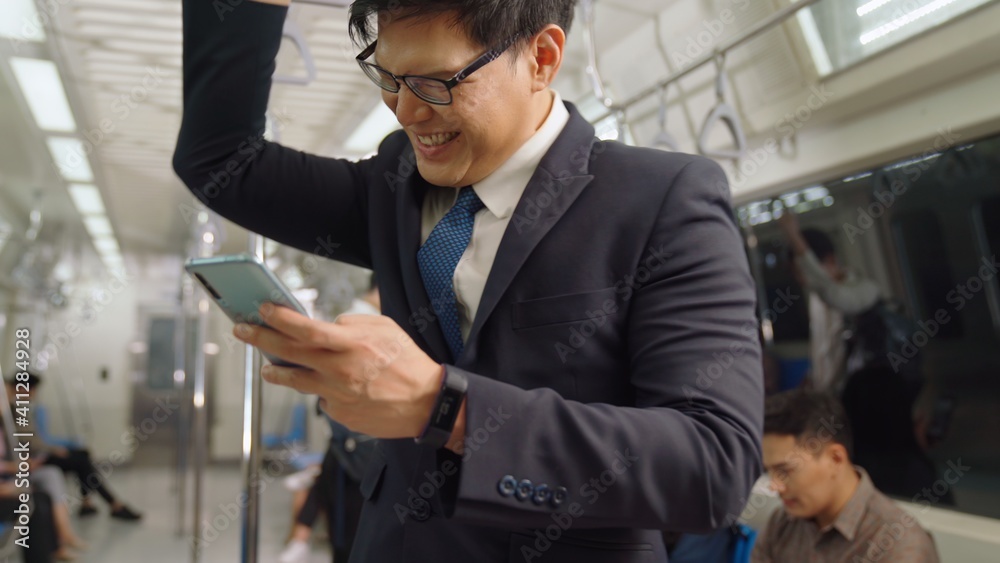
(437, 260)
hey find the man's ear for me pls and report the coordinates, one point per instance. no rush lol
(837, 453)
(546, 53)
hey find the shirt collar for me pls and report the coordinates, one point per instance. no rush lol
(502, 189)
(850, 516)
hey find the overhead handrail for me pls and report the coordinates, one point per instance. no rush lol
(293, 32)
(726, 114)
(663, 138)
(775, 19)
(590, 39)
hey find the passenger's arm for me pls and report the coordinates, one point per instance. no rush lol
(315, 204)
(850, 298)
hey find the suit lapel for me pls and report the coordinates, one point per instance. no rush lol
(559, 179)
(409, 204)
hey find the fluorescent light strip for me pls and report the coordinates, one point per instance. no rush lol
(871, 6)
(814, 41)
(87, 199)
(69, 155)
(379, 123)
(20, 22)
(903, 21)
(43, 91)
(98, 226)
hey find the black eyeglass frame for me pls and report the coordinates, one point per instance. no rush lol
(480, 62)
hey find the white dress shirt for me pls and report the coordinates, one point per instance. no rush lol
(499, 192)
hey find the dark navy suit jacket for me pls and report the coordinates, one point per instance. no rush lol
(614, 370)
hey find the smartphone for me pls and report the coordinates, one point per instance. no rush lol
(240, 284)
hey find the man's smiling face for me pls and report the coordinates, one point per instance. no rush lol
(461, 143)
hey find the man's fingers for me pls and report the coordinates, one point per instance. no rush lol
(302, 328)
(303, 380)
(358, 319)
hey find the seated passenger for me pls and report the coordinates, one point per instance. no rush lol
(76, 461)
(832, 512)
(42, 545)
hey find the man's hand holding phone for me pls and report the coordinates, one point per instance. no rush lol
(370, 374)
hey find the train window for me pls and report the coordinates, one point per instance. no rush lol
(920, 241)
(912, 429)
(840, 34)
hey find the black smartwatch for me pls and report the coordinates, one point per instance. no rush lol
(449, 401)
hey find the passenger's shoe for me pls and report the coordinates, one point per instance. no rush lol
(87, 510)
(297, 551)
(126, 513)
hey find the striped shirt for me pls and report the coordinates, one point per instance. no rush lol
(870, 528)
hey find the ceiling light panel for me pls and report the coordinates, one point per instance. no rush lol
(71, 159)
(98, 226)
(20, 21)
(106, 245)
(44, 93)
(87, 199)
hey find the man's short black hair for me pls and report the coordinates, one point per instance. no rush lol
(491, 23)
(815, 418)
(819, 243)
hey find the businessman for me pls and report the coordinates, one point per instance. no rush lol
(568, 359)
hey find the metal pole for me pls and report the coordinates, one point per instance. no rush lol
(251, 436)
(760, 27)
(184, 304)
(200, 418)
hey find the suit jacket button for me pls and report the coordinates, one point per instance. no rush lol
(507, 486)
(542, 494)
(524, 490)
(559, 496)
(420, 509)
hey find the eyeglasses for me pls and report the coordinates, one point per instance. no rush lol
(431, 90)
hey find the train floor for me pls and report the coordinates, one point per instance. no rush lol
(152, 490)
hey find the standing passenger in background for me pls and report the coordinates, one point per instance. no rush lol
(834, 293)
(336, 490)
(550, 301)
(877, 396)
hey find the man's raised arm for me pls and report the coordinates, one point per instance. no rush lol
(221, 155)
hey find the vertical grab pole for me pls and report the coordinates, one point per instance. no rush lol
(184, 304)
(251, 436)
(205, 247)
(200, 433)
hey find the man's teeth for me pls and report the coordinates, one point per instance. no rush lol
(435, 140)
